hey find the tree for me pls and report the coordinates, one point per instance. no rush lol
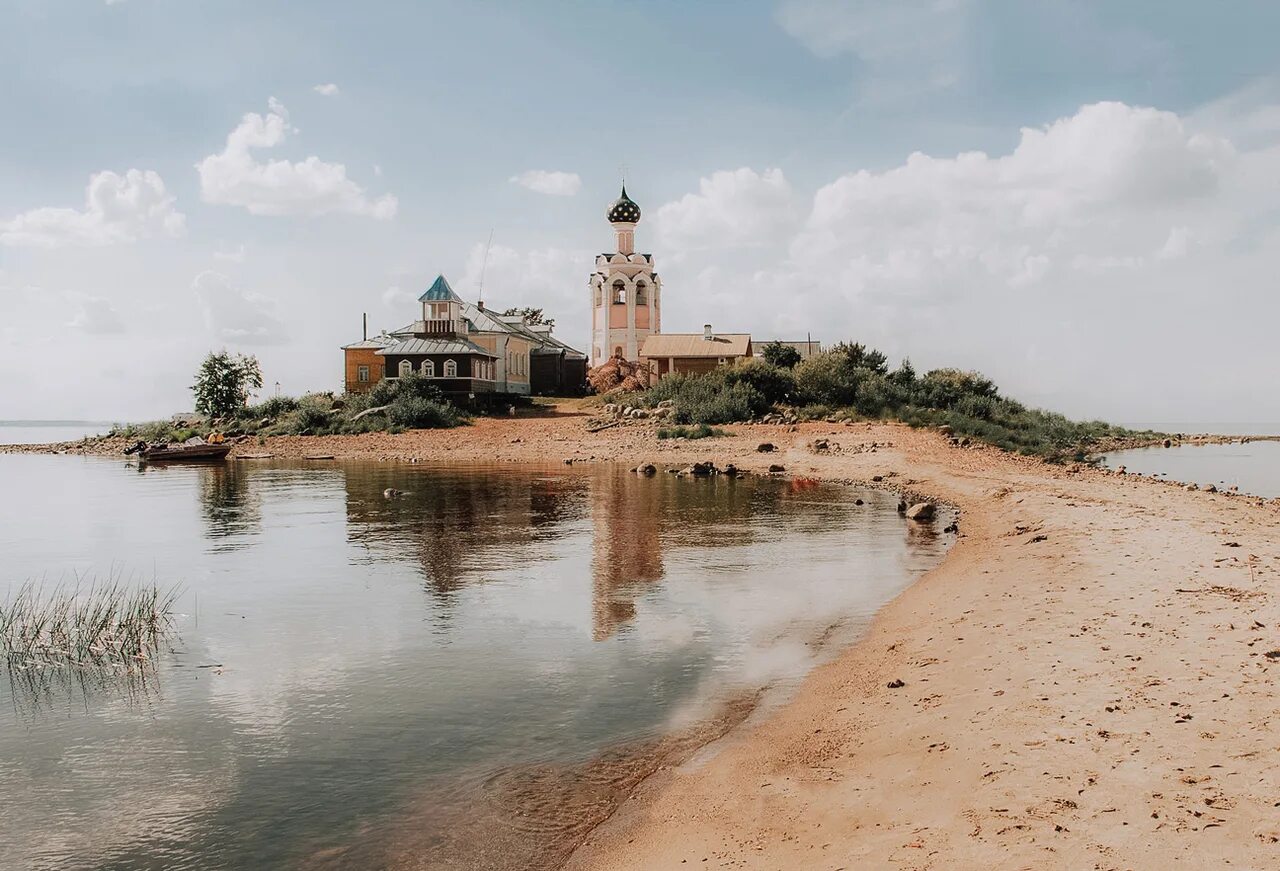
(859, 356)
(224, 383)
(532, 316)
(780, 355)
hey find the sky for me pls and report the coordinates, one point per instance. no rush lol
(1079, 199)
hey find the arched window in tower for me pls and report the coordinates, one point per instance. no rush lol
(406, 368)
(450, 368)
(599, 296)
(429, 368)
(641, 289)
(619, 292)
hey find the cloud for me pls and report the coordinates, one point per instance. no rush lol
(97, 317)
(117, 209)
(731, 207)
(396, 297)
(235, 316)
(903, 48)
(278, 187)
(327, 90)
(559, 184)
(553, 279)
(1093, 251)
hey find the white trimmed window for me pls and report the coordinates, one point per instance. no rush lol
(406, 368)
(429, 368)
(362, 374)
(450, 369)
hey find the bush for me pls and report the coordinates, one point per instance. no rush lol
(708, 399)
(415, 412)
(272, 409)
(778, 354)
(311, 417)
(774, 384)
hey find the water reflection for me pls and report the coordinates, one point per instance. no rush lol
(566, 612)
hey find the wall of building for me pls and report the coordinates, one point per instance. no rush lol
(354, 359)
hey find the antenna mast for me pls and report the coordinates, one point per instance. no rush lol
(485, 263)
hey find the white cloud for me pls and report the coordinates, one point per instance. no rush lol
(327, 90)
(234, 315)
(279, 187)
(118, 208)
(97, 316)
(731, 207)
(905, 47)
(560, 184)
(1091, 253)
(403, 301)
(553, 279)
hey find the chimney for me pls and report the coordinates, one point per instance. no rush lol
(480, 304)
(706, 332)
(365, 331)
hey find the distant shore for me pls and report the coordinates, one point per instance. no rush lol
(1088, 680)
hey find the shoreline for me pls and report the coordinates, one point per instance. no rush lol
(1087, 678)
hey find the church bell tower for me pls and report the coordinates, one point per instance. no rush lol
(626, 304)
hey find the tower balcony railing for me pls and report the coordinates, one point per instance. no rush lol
(442, 327)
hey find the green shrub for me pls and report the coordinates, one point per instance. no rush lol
(311, 417)
(708, 399)
(273, 408)
(701, 431)
(774, 384)
(415, 412)
(780, 355)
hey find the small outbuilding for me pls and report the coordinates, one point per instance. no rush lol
(694, 353)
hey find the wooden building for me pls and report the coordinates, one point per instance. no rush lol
(694, 353)
(469, 350)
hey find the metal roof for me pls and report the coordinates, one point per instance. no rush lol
(440, 291)
(368, 343)
(410, 347)
(696, 345)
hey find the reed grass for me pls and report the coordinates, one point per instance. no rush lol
(109, 624)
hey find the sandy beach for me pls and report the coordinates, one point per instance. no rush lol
(1087, 681)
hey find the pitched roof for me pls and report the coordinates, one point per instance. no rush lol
(410, 347)
(440, 291)
(696, 345)
(375, 342)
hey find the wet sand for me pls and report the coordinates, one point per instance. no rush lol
(1088, 680)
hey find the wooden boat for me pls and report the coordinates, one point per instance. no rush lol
(183, 453)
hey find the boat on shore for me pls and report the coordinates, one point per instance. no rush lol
(192, 451)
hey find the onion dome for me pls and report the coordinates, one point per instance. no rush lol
(623, 210)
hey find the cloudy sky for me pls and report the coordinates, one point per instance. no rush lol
(1080, 199)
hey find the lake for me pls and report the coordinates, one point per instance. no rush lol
(43, 432)
(457, 677)
(1254, 466)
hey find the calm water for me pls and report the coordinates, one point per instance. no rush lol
(351, 666)
(41, 432)
(1253, 467)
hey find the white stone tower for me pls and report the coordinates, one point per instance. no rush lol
(626, 294)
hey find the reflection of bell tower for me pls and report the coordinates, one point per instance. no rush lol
(625, 512)
(625, 291)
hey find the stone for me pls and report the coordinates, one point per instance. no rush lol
(666, 403)
(902, 506)
(731, 470)
(647, 469)
(877, 478)
(765, 448)
(702, 470)
(1211, 489)
(821, 445)
(945, 429)
(775, 468)
(896, 684)
(922, 512)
